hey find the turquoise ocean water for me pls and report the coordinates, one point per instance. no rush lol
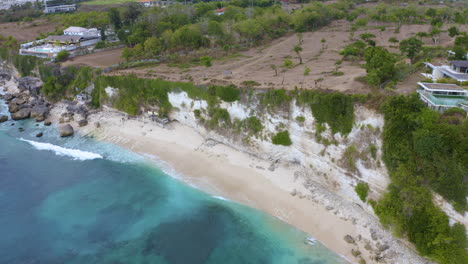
(77, 200)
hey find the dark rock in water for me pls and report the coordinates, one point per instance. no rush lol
(39, 112)
(21, 129)
(3, 118)
(12, 124)
(39, 134)
(47, 123)
(82, 122)
(31, 84)
(37, 124)
(66, 130)
(21, 114)
(97, 124)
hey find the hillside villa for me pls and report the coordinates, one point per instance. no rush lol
(73, 38)
(457, 70)
(441, 96)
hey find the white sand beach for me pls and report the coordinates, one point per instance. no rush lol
(223, 171)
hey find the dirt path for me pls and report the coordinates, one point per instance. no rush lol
(99, 60)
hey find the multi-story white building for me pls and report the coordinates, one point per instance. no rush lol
(442, 96)
(457, 70)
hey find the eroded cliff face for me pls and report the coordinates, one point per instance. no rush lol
(336, 161)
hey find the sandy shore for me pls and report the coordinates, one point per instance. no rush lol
(223, 171)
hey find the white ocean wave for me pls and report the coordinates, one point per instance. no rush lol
(74, 153)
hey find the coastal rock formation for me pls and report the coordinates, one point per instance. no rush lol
(39, 112)
(21, 114)
(5, 74)
(47, 123)
(40, 134)
(3, 118)
(31, 84)
(82, 122)
(66, 130)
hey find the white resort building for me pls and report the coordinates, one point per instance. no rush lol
(441, 96)
(72, 39)
(457, 70)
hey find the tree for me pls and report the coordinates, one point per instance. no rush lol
(127, 53)
(453, 31)
(411, 47)
(323, 41)
(287, 64)
(103, 34)
(153, 46)
(380, 65)
(273, 67)
(114, 18)
(306, 73)
(338, 65)
(62, 55)
(435, 34)
(298, 49)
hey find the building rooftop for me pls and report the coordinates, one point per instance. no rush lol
(459, 63)
(442, 86)
(76, 29)
(64, 38)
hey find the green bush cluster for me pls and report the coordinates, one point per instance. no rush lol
(362, 189)
(25, 64)
(335, 109)
(282, 138)
(425, 150)
(66, 82)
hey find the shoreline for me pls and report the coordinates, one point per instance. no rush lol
(222, 171)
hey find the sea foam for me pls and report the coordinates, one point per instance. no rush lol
(74, 153)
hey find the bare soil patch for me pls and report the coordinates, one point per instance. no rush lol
(99, 59)
(25, 32)
(255, 64)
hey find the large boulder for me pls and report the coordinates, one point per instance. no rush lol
(21, 114)
(39, 112)
(12, 107)
(3, 118)
(66, 130)
(31, 84)
(82, 122)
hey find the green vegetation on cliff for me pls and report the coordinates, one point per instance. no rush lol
(424, 151)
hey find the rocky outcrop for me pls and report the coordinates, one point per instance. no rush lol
(47, 123)
(66, 130)
(21, 114)
(3, 118)
(39, 112)
(40, 134)
(31, 84)
(5, 74)
(82, 122)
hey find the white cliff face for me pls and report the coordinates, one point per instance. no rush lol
(320, 163)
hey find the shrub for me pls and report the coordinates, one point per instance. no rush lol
(282, 138)
(300, 119)
(228, 93)
(100, 45)
(197, 113)
(362, 189)
(253, 125)
(62, 55)
(373, 151)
